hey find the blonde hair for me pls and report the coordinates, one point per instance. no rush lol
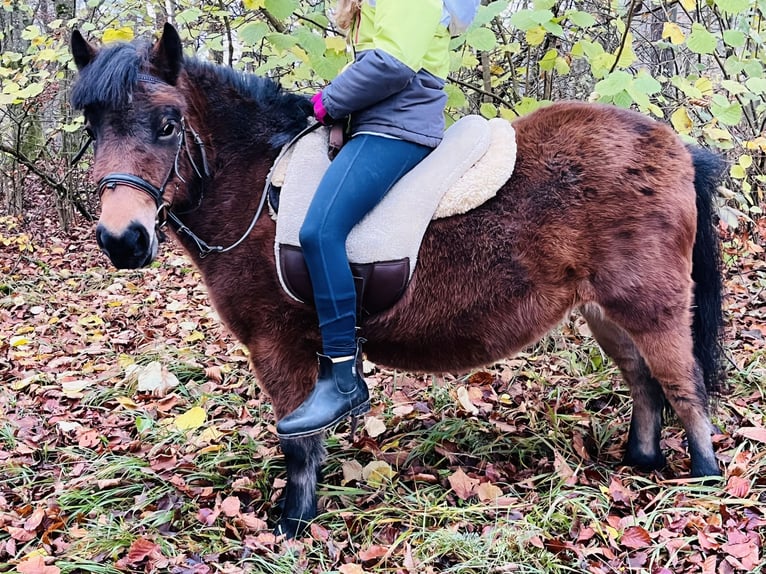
(346, 12)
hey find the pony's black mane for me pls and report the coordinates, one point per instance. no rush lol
(109, 80)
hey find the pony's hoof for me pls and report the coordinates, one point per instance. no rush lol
(290, 528)
(644, 462)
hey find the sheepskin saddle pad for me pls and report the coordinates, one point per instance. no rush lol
(475, 158)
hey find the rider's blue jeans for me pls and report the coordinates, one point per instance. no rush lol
(357, 179)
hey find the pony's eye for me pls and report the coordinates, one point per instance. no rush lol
(168, 129)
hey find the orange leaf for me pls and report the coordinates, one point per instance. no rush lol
(635, 537)
(140, 550)
(373, 553)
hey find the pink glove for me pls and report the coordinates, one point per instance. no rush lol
(319, 110)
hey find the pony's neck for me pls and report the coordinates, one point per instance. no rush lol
(243, 121)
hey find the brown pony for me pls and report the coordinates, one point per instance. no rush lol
(607, 212)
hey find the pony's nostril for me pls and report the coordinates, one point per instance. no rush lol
(130, 249)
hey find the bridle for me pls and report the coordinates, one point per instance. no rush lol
(164, 212)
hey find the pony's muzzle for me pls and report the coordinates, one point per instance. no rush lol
(135, 247)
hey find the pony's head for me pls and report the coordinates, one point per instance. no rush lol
(147, 157)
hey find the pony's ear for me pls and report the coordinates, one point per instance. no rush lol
(167, 54)
(82, 51)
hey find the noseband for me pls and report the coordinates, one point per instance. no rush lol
(112, 180)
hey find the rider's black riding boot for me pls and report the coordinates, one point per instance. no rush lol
(340, 391)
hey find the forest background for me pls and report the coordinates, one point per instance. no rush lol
(542, 492)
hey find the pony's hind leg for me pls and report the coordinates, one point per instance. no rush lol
(303, 461)
(643, 448)
(659, 325)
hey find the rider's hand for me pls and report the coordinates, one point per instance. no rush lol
(319, 110)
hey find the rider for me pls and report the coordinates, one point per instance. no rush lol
(392, 95)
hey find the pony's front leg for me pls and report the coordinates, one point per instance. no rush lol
(303, 460)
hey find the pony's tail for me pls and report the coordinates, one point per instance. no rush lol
(707, 324)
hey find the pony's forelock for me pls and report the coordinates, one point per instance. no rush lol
(110, 78)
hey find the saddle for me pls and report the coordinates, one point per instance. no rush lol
(476, 157)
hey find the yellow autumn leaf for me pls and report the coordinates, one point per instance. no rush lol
(689, 5)
(704, 85)
(253, 4)
(191, 419)
(535, 36)
(758, 143)
(628, 55)
(673, 31)
(19, 341)
(377, 473)
(335, 43)
(745, 161)
(122, 34)
(681, 121)
(194, 336)
(128, 403)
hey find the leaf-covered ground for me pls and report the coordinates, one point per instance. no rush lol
(133, 439)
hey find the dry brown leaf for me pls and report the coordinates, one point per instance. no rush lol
(230, 506)
(753, 433)
(20, 534)
(488, 492)
(635, 537)
(141, 549)
(465, 401)
(34, 520)
(372, 553)
(351, 569)
(374, 426)
(352, 470)
(738, 486)
(463, 485)
(156, 379)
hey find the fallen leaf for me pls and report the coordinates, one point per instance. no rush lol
(230, 506)
(20, 534)
(377, 473)
(156, 379)
(140, 550)
(465, 401)
(352, 470)
(488, 492)
(753, 433)
(36, 565)
(34, 520)
(191, 419)
(619, 492)
(374, 426)
(463, 485)
(738, 486)
(635, 537)
(372, 553)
